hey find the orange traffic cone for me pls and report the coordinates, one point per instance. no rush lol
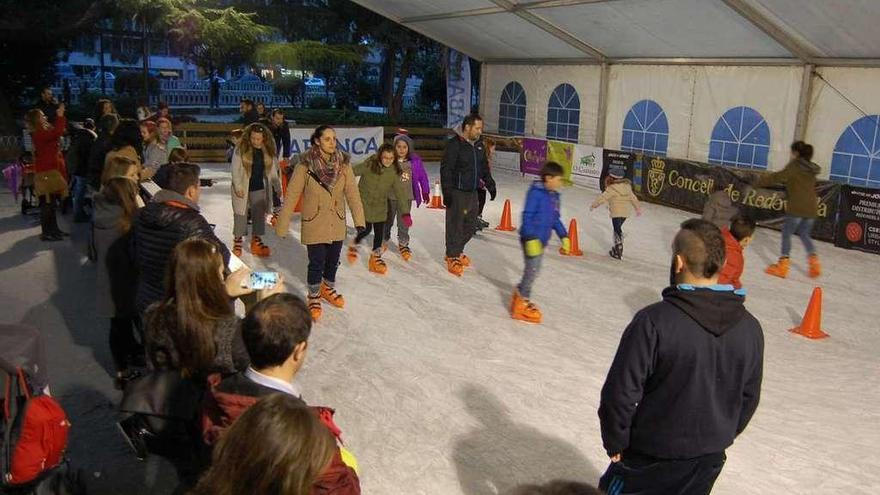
(811, 325)
(436, 198)
(573, 238)
(299, 205)
(506, 222)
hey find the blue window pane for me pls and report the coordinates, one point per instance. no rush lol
(744, 155)
(715, 151)
(728, 155)
(551, 130)
(874, 173)
(840, 164)
(860, 165)
(521, 112)
(573, 133)
(627, 139)
(553, 115)
(857, 182)
(573, 117)
(761, 156)
(662, 144)
(650, 142)
(639, 141)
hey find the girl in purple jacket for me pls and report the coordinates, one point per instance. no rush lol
(415, 174)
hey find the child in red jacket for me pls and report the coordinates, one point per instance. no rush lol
(736, 238)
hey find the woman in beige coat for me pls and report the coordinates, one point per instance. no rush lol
(324, 181)
(254, 178)
(621, 200)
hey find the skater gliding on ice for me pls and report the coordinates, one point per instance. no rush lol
(540, 218)
(464, 165)
(379, 179)
(413, 176)
(255, 181)
(621, 199)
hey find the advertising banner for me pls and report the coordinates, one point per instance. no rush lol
(687, 185)
(586, 166)
(359, 142)
(506, 160)
(458, 89)
(534, 154)
(561, 153)
(615, 158)
(858, 226)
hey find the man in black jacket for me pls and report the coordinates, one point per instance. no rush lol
(248, 112)
(280, 131)
(106, 126)
(463, 167)
(686, 379)
(170, 218)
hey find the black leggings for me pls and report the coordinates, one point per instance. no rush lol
(48, 219)
(378, 229)
(122, 341)
(481, 196)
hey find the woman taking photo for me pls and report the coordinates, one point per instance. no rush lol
(325, 183)
(255, 178)
(115, 207)
(50, 176)
(195, 329)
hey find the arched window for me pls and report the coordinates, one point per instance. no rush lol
(741, 138)
(645, 129)
(856, 158)
(512, 111)
(564, 114)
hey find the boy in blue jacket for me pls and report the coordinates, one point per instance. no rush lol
(539, 219)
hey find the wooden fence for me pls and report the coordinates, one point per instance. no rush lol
(207, 142)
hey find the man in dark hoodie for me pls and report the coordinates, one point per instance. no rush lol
(464, 166)
(249, 114)
(106, 126)
(686, 379)
(799, 178)
(169, 219)
(81, 140)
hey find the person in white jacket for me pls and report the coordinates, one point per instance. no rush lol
(255, 176)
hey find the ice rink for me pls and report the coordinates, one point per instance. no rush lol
(439, 392)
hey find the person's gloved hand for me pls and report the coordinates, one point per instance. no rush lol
(360, 229)
(534, 247)
(407, 220)
(490, 186)
(566, 245)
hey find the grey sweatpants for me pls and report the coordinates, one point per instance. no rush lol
(257, 206)
(530, 274)
(402, 230)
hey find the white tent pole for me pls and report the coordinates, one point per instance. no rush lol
(806, 95)
(602, 114)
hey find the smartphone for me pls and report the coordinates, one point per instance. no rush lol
(261, 280)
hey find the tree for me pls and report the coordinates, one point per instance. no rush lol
(31, 35)
(216, 39)
(308, 56)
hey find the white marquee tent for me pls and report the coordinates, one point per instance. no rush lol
(789, 68)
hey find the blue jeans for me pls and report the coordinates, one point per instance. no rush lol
(800, 226)
(530, 273)
(78, 190)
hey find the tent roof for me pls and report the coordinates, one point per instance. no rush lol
(771, 32)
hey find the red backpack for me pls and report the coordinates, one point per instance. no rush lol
(34, 431)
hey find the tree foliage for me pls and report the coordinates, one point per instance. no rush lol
(218, 38)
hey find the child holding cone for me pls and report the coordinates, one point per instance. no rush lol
(540, 218)
(621, 199)
(379, 179)
(413, 177)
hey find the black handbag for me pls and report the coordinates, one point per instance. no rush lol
(161, 409)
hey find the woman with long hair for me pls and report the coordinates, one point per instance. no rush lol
(379, 181)
(50, 174)
(127, 142)
(277, 447)
(104, 107)
(115, 206)
(325, 182)
(194, 328)
(254, 179)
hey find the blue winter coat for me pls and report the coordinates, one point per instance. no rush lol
(541, 215)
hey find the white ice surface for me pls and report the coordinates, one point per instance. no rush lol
(438, 391)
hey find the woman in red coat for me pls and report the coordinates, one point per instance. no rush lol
(50, 175)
